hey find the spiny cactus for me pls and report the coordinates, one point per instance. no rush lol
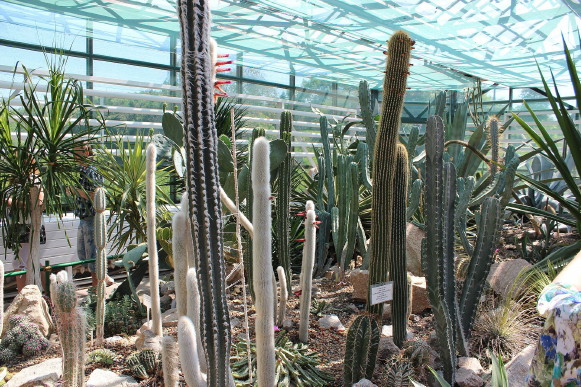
(329, 173)
(71, 325)
(283, 296)
(361, 350)
(188, 351)
(398, 373)
(398, 271)
(394, 87)
(170, 362)
(143, 363)
(362, 158)
(493, 140)
(179, 242)
(417, 351)
(307, 274)
(261, 261)
(22, 337)
(1, 296)
(203, 187)
(150, 182)
(101, 356)
(366, 104)
(101, 262)
(282, 227)
(193, 295)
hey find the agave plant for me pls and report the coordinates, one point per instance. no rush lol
(40, 129)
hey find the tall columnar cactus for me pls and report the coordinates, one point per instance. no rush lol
(193, 293)
(282, 227)
(394, 86)
(398, 272)
(101, 262)
(328, 155)
(203, 186)
(188, 350)
(362, 157)
(283, 290)
(262, 263)
(71, 325)
(493, 139)
(180, 260)
(361, 350)
(307, 274)
(1, 296)
(150, 182)
(366, 104)
(437, 257)
(170, 362)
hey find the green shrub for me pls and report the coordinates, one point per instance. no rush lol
(122, 316)
(101, 356)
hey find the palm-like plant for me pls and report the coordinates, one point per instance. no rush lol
(37, 152)
(124, 172)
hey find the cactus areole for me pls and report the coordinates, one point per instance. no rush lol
(203, 187)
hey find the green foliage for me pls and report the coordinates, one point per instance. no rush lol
(296, 365)
(122, 316)
(101, 356)
(554, 152)
(22, 338)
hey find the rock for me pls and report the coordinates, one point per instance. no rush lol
(413, 248)
(420, 299)
(466, 377)
(146, 339)
(333, 273)
(387, 348)
(471, 363)
(46, 373)
(315, 291)
(169, 318)
(502, 275)
(331, 321)
(165, 303)
(364, 383)
(106, 378)
(518, 368)
(287, 324)
(29, 302)
(115, 340)
(360, 280)
(234, 322)
(167, 288)
(387, 331)
(469, 371)
(353, 308)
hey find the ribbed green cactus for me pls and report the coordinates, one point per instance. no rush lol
(203, 187)
(101, 262)
(366, 104)
(307, 274)
(348, 210)
(414, 199)
(465, 190)
(360, 350)
(493, 140)
(329, 172)
(262, 263)
(322, 260)
(282, 226)
(71, 325)
(398, 271)
(396, 73)
(362, 157)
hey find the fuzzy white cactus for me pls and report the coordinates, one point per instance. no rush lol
(262, 266)
(170, 362)
(283, 295)
(188, 349)
(151, 161)
(180, 260)
(194, 312)
(307, 275)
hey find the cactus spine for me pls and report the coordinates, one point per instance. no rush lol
(283, 296)
(394, 86)
(282, 227)
(361, 350)
(203, 187)
(262, 263)
(151, 161)
(398, 272)
(71, 325)
(101, 262)
(307, 275)
(169, 362)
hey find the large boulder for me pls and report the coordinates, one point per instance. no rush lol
(503, 275)
(360, 280)
(468, 373)
(106, 378)
(413, 248)
(331, 321)
(46, 373)
(517, 370)
(420, 299)
(29, 302)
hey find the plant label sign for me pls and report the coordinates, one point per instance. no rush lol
(381, 293)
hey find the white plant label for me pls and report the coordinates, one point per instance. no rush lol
(381, 293)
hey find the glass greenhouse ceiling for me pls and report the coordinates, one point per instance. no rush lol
(343, 40)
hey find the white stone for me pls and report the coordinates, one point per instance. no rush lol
(360, 281)
(413, 248)
(287, 324)
(502, 275)
(471, 363)
(364, 383)
(331, 321)
(387, 330)
(106, 378)
(518, 368)
(115, 340)
(234, 322)
(466, 377)
(46, 373)
(29, 302)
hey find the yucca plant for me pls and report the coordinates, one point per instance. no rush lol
(552, 151)
(40, 129)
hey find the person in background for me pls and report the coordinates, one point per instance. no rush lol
(557, 360)
(89, 180)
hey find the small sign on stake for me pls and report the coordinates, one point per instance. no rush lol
(381, 293)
